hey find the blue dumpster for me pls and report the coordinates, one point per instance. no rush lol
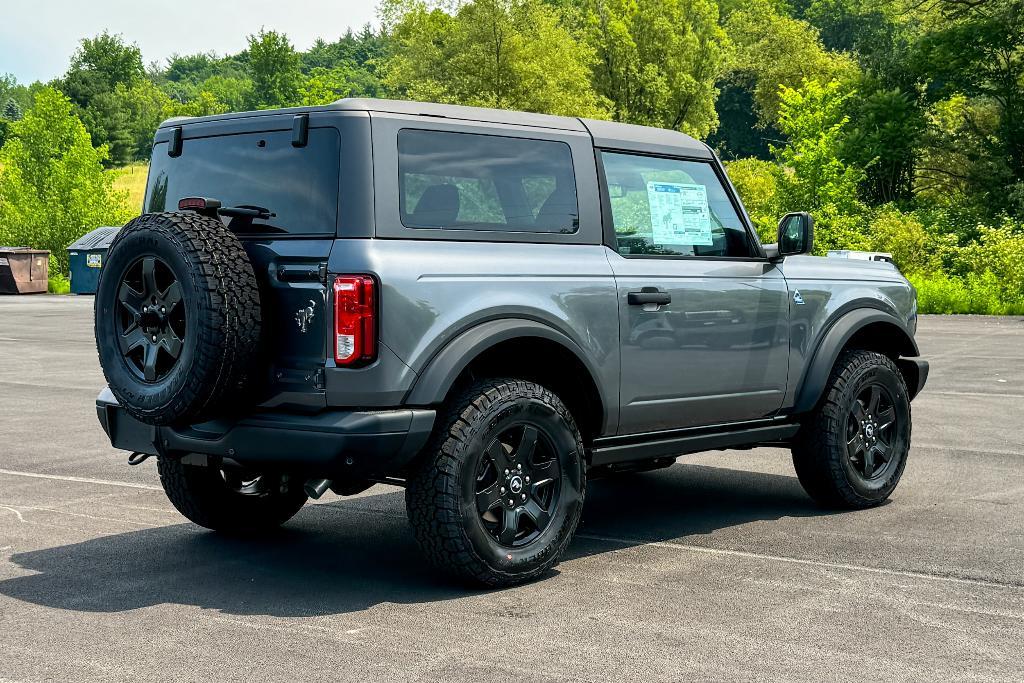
(86, 257)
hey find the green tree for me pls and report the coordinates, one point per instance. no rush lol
(509, 54)
(273, 66)
(233, 93)
(886, 131)
(879, 35)
(757, 183)
(52, 184)
(773, 51)
(192, 69)
(98, 67)
(12, 112)
(143, 106)
(326, 85)
(977, 50)
(107, 60)
(108, 124)
(814, 176)
(658, 61)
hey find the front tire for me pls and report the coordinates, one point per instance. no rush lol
(852, 450)
(500, 492)
(230, 500)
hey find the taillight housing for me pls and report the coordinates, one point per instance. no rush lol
(355, 319)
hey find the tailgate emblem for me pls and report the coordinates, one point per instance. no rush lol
(304, 316)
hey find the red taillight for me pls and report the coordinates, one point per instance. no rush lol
(355, 319)
(198, 204)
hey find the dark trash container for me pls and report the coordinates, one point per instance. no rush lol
(24, 270)
(86, 258)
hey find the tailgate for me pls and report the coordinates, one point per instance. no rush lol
(295, 318)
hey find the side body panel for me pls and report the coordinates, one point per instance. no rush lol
(433, 291)
(718, 352)
(831, 288)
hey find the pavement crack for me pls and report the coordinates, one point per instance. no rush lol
(17, 513)
(57, 511)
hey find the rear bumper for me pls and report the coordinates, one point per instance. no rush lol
(352, 443)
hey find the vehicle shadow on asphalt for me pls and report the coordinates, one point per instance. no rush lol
(352, 554)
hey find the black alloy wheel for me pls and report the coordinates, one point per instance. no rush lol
(518, 483)
(499, 489)
(151, 321)
(852, 449)
(178, 320)
(870, 431)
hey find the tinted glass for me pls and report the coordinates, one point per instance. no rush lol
(462, 181)
(672, 208)
(299, 184)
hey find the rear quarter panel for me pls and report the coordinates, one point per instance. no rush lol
(434, 290)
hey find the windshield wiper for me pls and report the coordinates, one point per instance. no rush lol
(241, 216)
(246, 211)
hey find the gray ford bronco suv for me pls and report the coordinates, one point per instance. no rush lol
(488, 308)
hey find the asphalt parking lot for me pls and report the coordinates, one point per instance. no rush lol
(717, 568)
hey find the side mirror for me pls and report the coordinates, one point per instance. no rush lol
(796, 236)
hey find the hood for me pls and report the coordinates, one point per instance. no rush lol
(821, 268)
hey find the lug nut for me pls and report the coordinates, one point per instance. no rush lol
(527, 480)
(163, 310)
(154, 337)
(506, 473)
(524, 496)
(511, 502)
(502, 489)
(519, 467)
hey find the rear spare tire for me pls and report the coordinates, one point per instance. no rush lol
(177, 318)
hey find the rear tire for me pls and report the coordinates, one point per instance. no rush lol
(230, 501)
(852, 450)
(500, 491)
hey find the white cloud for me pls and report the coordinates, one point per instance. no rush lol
(38, 38)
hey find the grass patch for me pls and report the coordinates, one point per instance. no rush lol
(131, 179)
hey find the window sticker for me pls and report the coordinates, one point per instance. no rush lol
(679, 213)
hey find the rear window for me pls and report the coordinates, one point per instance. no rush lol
(298, 184)
(464, 181)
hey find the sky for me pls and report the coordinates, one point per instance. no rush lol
(38, 37)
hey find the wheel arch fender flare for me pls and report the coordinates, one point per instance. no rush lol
(444, 368)
(898, 341)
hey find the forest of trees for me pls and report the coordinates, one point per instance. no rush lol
(899, 124)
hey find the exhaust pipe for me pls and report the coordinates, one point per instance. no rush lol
(317, 487)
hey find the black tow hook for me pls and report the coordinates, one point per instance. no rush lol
(137, 458)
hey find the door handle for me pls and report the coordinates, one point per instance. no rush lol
(648, 295)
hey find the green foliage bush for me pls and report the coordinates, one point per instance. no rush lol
(976, 293)
(59, 284)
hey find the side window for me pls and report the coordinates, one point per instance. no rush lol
(464, 181)
(671, 207)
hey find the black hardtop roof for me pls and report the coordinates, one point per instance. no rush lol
(608, 134)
